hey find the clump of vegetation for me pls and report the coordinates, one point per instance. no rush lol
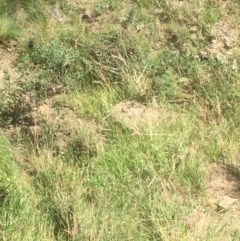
(8, 29)
(14, 106)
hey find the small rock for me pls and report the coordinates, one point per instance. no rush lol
(90, 15)
(234, 65)
(226, 203)
(158, 11)
(140, 27)
(193, 29)
(57, 13)
(228, 43)
(203, 54)
(193, 36)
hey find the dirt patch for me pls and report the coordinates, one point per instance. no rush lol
(7, 70)
(220, 218)
(67, 128)
(225, 38)
(56, 13)
(81, 3)
(222, 182)
(134, 115)
(175, 4)
(199, 217)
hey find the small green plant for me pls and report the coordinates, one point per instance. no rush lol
(8, 29)
(14, 106)
(54, 56)
(210, 17)
(235, 235)
(178, 35)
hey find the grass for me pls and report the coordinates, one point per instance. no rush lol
(8, 29)
(110, 183)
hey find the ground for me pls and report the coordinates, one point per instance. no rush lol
(120, 121)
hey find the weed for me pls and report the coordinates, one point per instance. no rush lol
(235, 235)
(14, 107)
(8, 29)
(178, 34)
(52, 56)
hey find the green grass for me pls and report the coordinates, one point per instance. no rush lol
(8, 29)
(111, 183)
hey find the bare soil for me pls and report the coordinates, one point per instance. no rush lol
(225, 36)
(66, 125)
(222, 186)
(7, 70)
(135, 116)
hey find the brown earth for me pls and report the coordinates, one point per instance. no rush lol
(135, 116)
(220, 215)
(67, 127)
(7, 70)
(225, 39)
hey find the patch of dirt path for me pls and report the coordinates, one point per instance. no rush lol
(135, 116)
(7, 70)
(68, 128)
(225, 40)
(221, 218)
